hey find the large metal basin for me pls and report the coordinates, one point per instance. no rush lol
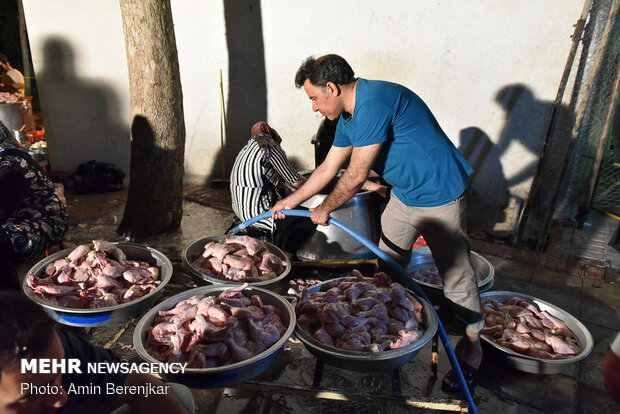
(329, 243)
(421, 258)
(536, 365)
(228, 374)
(197, 247)
(112, 314)
(11, 115)
(369, 361)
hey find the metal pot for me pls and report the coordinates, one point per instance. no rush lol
(328, 243)
(369, 361)
(228, 374)
(11, 115)
(197, 247)
(421, 258)
(108, 315)
(536, 365)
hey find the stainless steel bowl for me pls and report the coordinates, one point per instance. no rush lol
(108, 315)
(197, 247)
(329, 243)
(536, 365)
(421, 258)
(370, 361)
(228, 374)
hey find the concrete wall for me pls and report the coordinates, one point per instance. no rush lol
(489, 70)
(78, 54)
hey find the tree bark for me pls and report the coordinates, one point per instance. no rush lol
(155, 196)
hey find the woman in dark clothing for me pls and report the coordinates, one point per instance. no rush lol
(32, 217)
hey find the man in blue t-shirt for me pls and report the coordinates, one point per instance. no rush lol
(386, 130)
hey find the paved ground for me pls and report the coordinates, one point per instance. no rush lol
(286, 386)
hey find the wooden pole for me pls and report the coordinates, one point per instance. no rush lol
(551, 121)
(600, 149)
(542, 237)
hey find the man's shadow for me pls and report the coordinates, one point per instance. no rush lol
(497, 191)
(82, 117)
(486, 198)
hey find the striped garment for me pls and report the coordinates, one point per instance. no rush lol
(256, 180)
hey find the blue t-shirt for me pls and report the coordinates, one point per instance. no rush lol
(417, 158)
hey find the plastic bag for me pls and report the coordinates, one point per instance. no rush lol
(98, 177)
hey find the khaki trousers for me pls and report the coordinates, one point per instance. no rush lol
(444, 229)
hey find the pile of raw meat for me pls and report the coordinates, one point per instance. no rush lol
(361, 314)
(10, 97)
(427, 275)
(211, 331)
(521, 327)
(239, 259)
(95, 277)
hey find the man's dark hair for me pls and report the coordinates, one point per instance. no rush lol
(4, 58)
(25, 329)
(328, 68)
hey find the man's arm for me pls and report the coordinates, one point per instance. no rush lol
(362, 159)
(321, 176)
(155, 403)
(18, 82)
(299, 182)
(376, 187)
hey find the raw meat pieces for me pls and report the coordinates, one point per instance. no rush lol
(521, 327)
(427, 275)
(361, 314)
(239, 259)
(95, 277)
(10, 97)
(211, 331)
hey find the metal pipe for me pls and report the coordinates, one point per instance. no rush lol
(223, 126)
(551, 122)
(392, 263)
(542, 237)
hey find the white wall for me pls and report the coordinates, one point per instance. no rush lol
(456, 55)
(78, 53)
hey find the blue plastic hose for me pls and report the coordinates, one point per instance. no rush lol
(412, 284)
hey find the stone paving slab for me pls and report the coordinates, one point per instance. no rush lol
(559, 289)
(600, 304)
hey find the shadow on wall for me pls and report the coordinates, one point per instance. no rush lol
(247, 87)
(82, 117)
(490, 190)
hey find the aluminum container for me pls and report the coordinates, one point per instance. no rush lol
(328, 243)
(421, 258)
(228, 374)
(112, 314)
(369, 361)
(537, 365)
(11, 115)
(197, 247)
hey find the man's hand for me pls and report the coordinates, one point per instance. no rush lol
(284, 204)
(376, 187)
(320, 215)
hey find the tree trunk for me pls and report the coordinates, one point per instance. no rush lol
(155, 198)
